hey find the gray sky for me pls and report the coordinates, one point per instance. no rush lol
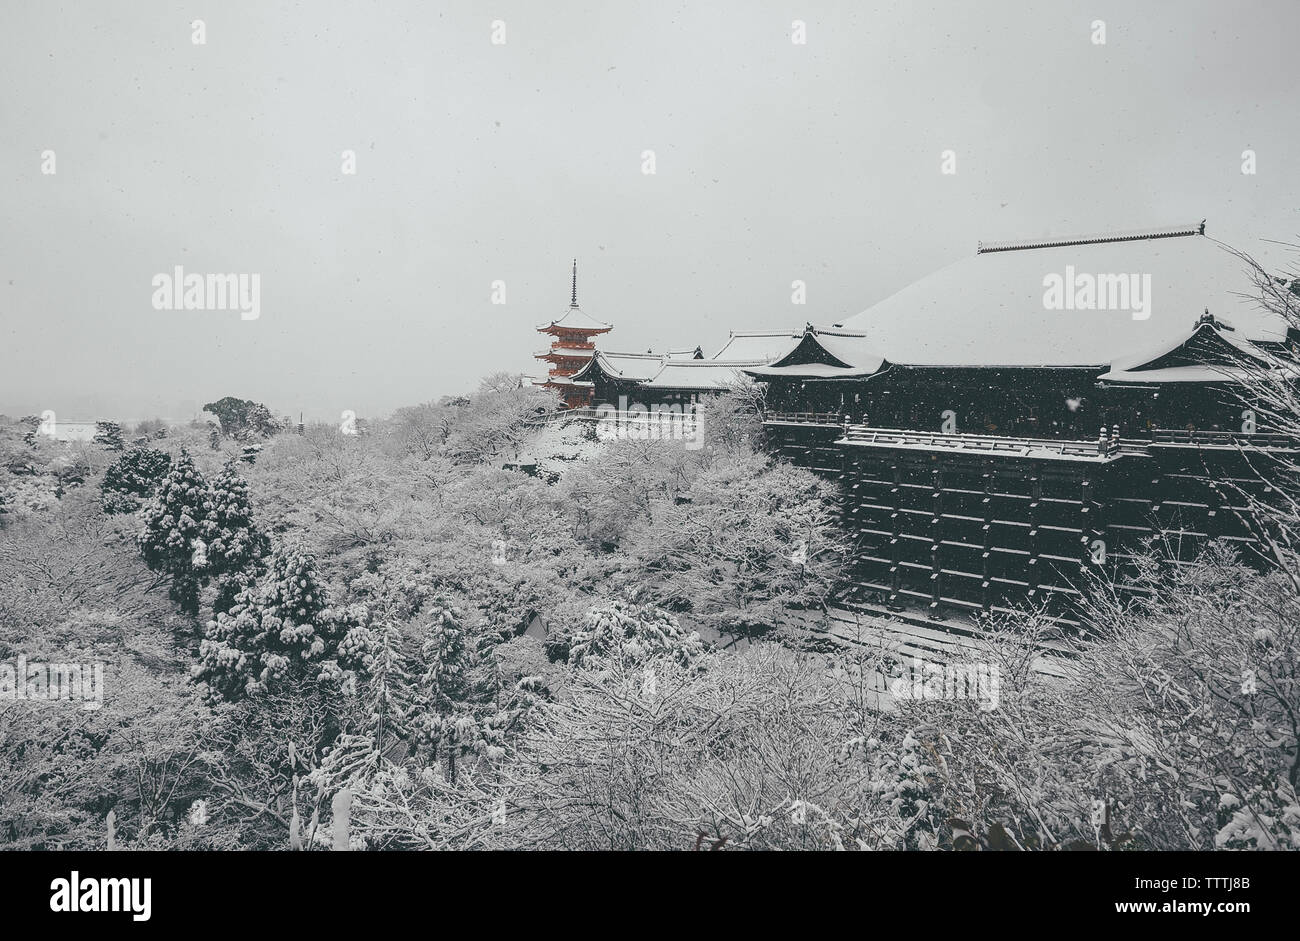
(479, 162)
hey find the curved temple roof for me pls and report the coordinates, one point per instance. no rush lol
(1145, 296)
(759, 347)
(633, 366)
(991, 309)
(697, 374)
(825, 354)
(575, 319)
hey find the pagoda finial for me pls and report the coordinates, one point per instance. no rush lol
(574, 301)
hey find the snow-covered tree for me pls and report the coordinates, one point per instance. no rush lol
(420, 430)
(448, 726)
(135, 476)
(631, 635)
(236, 546)
(172, 524)
(108, 435)
(755, 542)
(243, 419)
(281, 627)
(497, 419)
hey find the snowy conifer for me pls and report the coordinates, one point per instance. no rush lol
(274, 630)
(171, 524)
(135, 476)
(236, 546)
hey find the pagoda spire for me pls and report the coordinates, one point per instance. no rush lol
(574, 301)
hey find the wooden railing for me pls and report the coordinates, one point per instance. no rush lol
(1223, 439)
(586, 413)
(806, 418)
(1109, 445)
(991, 444)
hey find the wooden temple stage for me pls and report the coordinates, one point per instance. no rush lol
(978, 524)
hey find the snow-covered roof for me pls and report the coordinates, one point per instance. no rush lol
(989, 309)
(757, 347)
(1210, 335)
(565, 351)
(812, 371)
(575, 319)
(1207, 372)
(634, 366)
(853, 349)
(1174, 374)
(825, 354)
(697, 374)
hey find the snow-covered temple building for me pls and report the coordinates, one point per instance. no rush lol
(1154, 329)
(1032, 411)
(681, 376)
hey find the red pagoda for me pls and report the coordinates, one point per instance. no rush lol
(571, 350)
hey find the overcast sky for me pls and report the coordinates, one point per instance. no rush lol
(478, 162)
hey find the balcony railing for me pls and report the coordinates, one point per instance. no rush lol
(806, 418)
(1223, 439)
(1105, 445)
(987, 444)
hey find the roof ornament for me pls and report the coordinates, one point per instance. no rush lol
(982, 247)
(1217, 324)
(574, 301)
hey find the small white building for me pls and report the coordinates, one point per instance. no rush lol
(64, 429)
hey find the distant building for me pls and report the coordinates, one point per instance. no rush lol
(572, 349)
(680, 376)
(71, 430)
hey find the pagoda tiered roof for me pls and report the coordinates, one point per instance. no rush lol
(570, 352)
(575, 320)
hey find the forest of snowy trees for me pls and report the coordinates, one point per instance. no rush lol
(618, 650)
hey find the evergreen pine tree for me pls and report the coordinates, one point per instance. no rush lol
(237, 547)
(274, 630)
(172, 523)
(133, 477)
(448, 728)
(108, 435)
(383, 732)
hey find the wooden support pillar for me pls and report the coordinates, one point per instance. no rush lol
(936, 540)
(896, 540)
(1092, 530)
(1033, 575)
(1088, 523)
(1157, 497)
(986, 571)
